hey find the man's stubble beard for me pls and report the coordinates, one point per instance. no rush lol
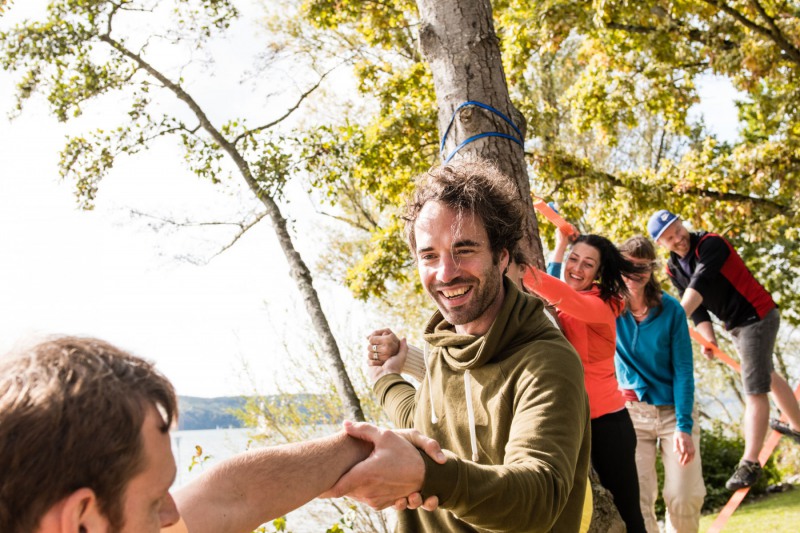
(485, 295)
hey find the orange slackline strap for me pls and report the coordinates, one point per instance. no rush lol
(738, 496)
(719, 354)
(551, 215)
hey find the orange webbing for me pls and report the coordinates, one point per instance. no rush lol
(719, 354)
(549, 213)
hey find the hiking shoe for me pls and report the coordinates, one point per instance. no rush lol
(784, 429)
(746, 475)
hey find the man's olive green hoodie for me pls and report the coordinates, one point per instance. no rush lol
(520, 386)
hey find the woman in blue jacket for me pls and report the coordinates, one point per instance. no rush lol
(655, 372)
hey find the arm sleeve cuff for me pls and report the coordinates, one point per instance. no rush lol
(700, 315)
(440, 480)
(384, 383)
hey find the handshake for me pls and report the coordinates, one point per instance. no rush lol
(393, 473)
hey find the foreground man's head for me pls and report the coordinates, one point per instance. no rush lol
(463, 225)
(84, 443)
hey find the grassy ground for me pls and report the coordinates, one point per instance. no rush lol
(779, 513)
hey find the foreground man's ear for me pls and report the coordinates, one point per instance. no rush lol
(505, 256)
(77, 513)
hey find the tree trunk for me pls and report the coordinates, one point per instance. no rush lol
(302, 277)
(457, 38)
(605, 517)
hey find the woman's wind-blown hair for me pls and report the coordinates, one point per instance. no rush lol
(613, 266)
(640, 247)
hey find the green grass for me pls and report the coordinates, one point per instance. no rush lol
(777, 513)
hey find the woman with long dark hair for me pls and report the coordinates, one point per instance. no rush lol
(655, 372)
(587, 303)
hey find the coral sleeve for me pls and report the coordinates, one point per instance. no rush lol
(583, 306)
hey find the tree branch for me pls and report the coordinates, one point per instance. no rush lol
(774, 35)
(287, 113)
(733, 381)
(631, 28)
(693, 34)
(161, 133)
(661, 149)
(721, 404)
(242, 230)
(349, 222)
(719, 195)
(205, 122)
(746, 22)
(578, 171)
(243, 227)
(777, 34)
(189, 224)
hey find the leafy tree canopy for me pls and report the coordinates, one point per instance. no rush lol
(606, 87)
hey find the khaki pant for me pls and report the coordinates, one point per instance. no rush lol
(684, 489)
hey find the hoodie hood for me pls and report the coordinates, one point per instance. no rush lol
(520, 319)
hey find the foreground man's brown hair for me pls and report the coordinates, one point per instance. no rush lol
(71, 415)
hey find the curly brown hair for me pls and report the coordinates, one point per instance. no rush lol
(71, 414)
(474, 187)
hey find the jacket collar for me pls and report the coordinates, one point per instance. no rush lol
(519, 321)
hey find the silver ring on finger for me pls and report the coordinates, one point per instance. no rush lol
(375, 356)
(375, 348)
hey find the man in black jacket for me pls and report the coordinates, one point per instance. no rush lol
(711, 277)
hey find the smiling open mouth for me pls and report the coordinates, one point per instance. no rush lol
(455, 293)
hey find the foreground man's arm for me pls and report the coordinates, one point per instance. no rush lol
(530, 489)
(241, 493)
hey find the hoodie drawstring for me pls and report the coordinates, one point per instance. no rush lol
(434, 418)
(473, 439)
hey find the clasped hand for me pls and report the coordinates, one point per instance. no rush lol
(386, 354)
(393, 473)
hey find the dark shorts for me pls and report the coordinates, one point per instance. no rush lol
(755, 344)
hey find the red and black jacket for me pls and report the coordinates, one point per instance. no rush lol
(727, 286)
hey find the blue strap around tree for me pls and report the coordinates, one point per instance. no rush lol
(474, 138)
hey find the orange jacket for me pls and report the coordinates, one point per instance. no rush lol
(589, 324)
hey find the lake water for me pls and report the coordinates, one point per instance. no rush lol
(219, 444)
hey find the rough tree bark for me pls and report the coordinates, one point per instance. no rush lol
(457, 38)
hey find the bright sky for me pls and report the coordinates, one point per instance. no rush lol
(107, 274)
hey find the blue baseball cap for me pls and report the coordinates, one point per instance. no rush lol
(659, 223)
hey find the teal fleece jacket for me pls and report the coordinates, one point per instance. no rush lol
(654, 359)
(531, 418)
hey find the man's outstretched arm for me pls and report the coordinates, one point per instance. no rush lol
(691, 300)
(243, 492)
